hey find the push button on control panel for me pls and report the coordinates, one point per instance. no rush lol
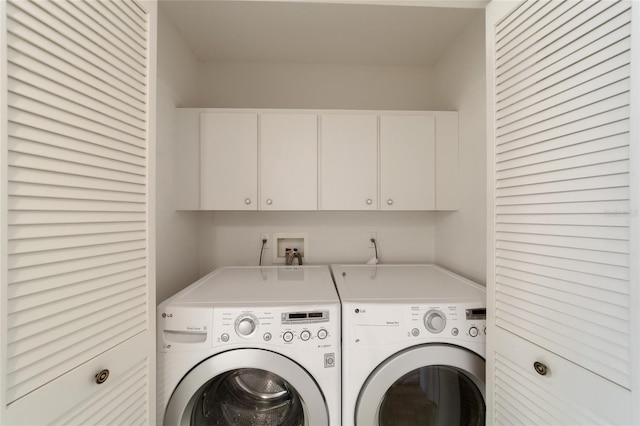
(305, 335)
(287, 337)
(473, 332)
(322, 334)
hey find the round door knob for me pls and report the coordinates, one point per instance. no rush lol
(269, 201)
(369, 201)
(102, 376)
(435, 321)
(540, 368)
(247, 201)
(390, 201)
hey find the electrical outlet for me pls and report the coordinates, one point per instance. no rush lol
(265, 236)
(371, 235)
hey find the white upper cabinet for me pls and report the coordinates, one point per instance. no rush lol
(234, 159)
(288, 161)
(349, 162)
(229, 161)
(407, 162)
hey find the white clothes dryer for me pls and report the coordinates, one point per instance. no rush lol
(413, 346)
(251, 345)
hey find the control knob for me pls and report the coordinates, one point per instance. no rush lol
(435, 321)
(246, 325)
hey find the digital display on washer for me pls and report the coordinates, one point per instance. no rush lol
(477, 314)
(305, 317)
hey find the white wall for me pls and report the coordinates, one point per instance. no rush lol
(191, 244)
(460, 240)
(233, 238)
(177, 232)
(278, 85)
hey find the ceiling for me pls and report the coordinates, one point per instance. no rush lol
(326, 33)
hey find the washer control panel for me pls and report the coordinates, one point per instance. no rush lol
(275, 326)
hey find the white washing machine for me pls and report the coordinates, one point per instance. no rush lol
(251, 345)
(413, 346)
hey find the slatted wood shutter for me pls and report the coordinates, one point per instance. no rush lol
(562, 208)
(562, 179)
(77, 207)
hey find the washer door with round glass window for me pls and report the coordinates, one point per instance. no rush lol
(247, 387)
(425, 385)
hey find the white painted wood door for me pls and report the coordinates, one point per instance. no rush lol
(349, 162)
(288, 161)
(407, 162)
(229, 161)
(76, 212)
(562, 239)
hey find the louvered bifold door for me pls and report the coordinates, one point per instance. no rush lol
(562, 207)
(76, 288)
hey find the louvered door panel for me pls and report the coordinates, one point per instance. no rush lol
(567, 395)
(77, 197)
(562, 177)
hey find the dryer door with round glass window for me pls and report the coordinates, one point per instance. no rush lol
(425, 385)
(247, 387)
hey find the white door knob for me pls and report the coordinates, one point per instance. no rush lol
(390, 201)
(247, 201)
(369, 201)
(269, 201)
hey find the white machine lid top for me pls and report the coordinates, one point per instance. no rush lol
(403, 283)
(261, 285)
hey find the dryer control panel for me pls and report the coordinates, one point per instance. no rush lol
(373, 323)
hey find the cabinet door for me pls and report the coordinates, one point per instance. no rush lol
(288, 161)
(349, 162)
(407, 162)
(562, 271)
(447, 168)
(538, 387)
(229, 161)
(77, 160)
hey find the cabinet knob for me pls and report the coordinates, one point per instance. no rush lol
(540, 368)
(247, 201)
(269, 201)
(369, 201)
(389, 201)
(102, 376)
